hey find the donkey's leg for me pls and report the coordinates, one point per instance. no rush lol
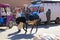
(25, 25)
(31, 29)
(19, 28)
(36, 28)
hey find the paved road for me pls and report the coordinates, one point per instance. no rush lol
(12, 34)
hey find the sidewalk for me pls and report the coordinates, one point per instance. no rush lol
(3, 27)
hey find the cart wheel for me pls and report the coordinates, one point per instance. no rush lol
(10, 24)
(57, 21)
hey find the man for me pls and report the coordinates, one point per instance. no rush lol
(48, 14)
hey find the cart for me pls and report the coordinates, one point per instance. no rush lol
(6, 15)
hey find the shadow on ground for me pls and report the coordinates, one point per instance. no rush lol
(48, 26)
(21, 36)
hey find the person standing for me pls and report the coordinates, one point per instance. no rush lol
(48, 14)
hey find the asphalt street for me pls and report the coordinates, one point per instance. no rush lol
(12, 34)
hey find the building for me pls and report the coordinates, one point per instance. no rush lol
(15, 3)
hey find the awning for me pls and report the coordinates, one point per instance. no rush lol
(34, 5)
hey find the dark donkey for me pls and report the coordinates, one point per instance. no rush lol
(23, 20)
